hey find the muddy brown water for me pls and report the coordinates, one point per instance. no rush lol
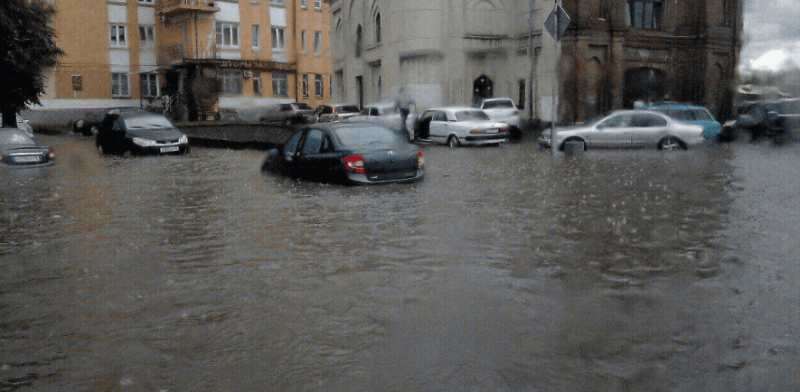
(505, 269)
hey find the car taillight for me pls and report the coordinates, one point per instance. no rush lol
(51, 154)
(354, 163)
(420, 160)
(335, 113)
(504, 128)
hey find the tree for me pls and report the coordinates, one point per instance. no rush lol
(27, 47)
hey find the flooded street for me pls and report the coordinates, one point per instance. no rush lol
(506, 269)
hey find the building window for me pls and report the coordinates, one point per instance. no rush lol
(378, 28)
(145, 1)
(318, 85)
(148, 85)
(358, 41)
(227, 35)
(303, 4)
(231, 82)
(119, 85)
(256, 36)
(278, 38)
(147, 35)
(117, 34)
(277, 2)
(257, 83)
(305, 86)
(303, 41)
(279, 84)
(317, 41)
(318, 5)
(645, 14)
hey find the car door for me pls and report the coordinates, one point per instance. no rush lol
(614, 132)
(647, 129)
(438, 127)
(317, 158)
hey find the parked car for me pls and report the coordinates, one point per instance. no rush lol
(90, 123)
(335, 112)
(383, 114)
(21, 124)
(17, 149)
(630, 129)
(693, 114)
(355, 154)
(502, 110)
(289, 113)
(140, 134)
(457, 126)
(778, 120)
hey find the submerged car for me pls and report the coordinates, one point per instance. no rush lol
(502, 110)
(289, 113)
(778, 120)
(335, 112)
(354, 154)
(692, 114)
(140, 134)
(17, 149)
(456, 126)
(630, 129)
(90, 124)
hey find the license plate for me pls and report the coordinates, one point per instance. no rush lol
(493, 130)
(27, 159)
(170, 149)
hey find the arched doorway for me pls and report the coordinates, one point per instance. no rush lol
(643, 84)
(482, 88)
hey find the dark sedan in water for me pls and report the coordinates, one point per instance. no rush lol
(19, 150)
(140, 134)
(90, 124)
(355, 154)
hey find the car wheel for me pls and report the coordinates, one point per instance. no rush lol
(670, 143)
(94, 130)
(452, 141)
(573, 139)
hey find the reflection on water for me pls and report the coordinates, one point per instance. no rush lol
(505, 269)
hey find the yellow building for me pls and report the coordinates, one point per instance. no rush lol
(208, 55)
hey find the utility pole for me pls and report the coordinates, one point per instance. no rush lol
(531, 60)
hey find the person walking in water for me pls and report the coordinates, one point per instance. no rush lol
(403, 104)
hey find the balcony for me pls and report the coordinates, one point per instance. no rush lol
(176, 7)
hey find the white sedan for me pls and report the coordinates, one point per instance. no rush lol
(630, 129)
(457, 126)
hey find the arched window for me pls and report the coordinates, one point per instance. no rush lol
(358, 41)
(378, 27)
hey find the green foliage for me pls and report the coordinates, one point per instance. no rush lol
(27, 47)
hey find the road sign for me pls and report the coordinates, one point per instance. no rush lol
(560, 16)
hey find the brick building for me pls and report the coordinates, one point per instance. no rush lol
(212, 54)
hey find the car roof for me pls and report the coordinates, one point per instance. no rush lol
(674, 105)
(138, 115)
(498, 99)
(454, 108)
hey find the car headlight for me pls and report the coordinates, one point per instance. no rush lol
(79, 124)
(183, 139)
(143, 142)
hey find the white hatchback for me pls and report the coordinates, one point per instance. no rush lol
(457, 126)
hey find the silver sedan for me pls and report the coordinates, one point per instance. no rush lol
(630, 129)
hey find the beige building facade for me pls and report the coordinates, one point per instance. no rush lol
(614, 52)
(211, 55)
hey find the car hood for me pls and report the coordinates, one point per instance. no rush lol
(482, 124)
(160, 135)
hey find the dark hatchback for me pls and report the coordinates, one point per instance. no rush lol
(140, 134)
(354, 154)
(90, 124)
(17, 149)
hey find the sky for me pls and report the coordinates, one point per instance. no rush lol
(771, 35)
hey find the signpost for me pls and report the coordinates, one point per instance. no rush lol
(556, 24)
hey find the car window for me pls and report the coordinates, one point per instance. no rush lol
(313, 142)
(327, 110)
(699, 115)
(373, 112)
(147, 122)
(427, 116)
(439, 116)
(618, 121)
(369, 137)
(348, 109)
(498, 105)
(285, 108)
(648, 121)
(303, 106)
(15, 138)
(291, 145)
(327, 146)
(471, 115)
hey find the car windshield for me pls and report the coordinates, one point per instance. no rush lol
(348, 109)
(369, 137)
(147, 122)
(503, 104)
(11, 137)
(471, 115)
(303, 106)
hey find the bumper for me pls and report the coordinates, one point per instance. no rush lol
(494, 138)
(176, 149)
(363, 179)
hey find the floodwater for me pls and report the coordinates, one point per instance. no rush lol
(506, 269)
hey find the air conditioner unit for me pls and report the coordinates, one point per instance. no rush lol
(246, 73)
